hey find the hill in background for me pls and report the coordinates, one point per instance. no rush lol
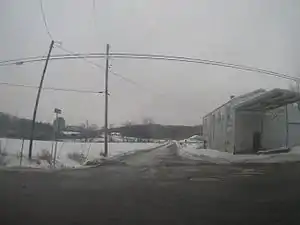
(15, 127)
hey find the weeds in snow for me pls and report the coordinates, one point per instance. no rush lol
(3, 154)
(2, 150)
(44, 155)
(78, 157)
(3, 160)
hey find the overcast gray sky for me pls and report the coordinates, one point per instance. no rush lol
(256, 33)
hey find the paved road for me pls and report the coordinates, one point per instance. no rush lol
(156, 187)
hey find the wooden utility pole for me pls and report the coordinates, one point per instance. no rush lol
(38, 99)
(106, 103)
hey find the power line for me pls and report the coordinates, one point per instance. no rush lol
(153, 57)
(124, 78)
(99, 66)
(32, 59)
(102, 67)
(45, 20)
(74, 54)
(203, 61)
(51, 88)
(135, 83)
(83, 58)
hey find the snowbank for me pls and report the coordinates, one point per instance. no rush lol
(215, 156)
(11, 148)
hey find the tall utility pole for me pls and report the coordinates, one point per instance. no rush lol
(106, 102)
(38, 99)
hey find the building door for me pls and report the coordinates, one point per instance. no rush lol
(256, 141)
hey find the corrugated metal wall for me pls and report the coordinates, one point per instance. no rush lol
(218, 129)
(274, 129)
(294, 124)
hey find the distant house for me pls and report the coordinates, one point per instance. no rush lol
(74, 128)
(71, 133)
(254, 121)
(193, 139)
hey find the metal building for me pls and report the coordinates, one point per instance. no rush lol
(259, 120)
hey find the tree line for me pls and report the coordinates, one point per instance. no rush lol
(15, 127)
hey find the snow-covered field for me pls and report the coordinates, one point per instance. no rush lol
(215, 156)
(11, 148)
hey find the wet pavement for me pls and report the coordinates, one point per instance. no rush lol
(153, 187)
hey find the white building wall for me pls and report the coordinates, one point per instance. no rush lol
(274, 129)
(246, 124)
(294, 135)
(294, 125)
(218, 129)
(230, 129)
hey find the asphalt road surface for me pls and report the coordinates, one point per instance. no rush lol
(154, 187)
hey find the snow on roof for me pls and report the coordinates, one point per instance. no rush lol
(239, 99)
(70, 132)
(196, 137)
(269, 100)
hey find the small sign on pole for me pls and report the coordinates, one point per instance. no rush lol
(57, 111)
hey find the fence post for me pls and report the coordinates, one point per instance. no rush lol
(21, 156)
